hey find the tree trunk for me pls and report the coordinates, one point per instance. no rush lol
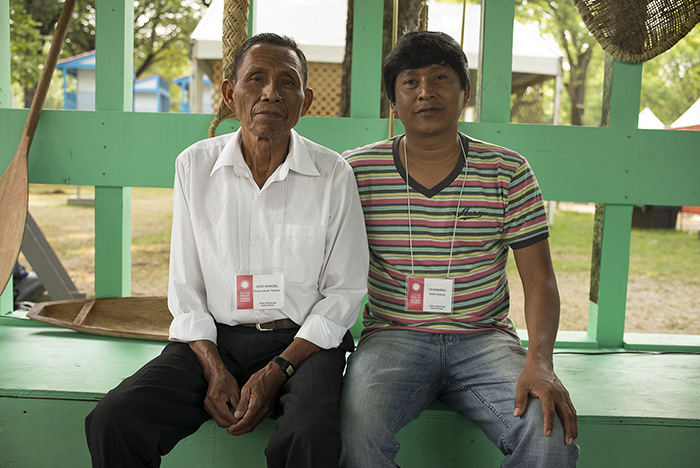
(346, 79)
(29, 95)
(407, 21)
(576, 88)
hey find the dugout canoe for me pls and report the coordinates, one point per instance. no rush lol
(145, 318)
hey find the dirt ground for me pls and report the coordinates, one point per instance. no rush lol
(654, 305)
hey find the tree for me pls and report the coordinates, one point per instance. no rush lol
(32, 22)
(161, 30)
(407, 21)
(671, 81)
(561, 20)
(162, 26)
(25, 41)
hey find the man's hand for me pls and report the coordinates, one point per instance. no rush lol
(258, 398)
(259, 395)
(223, 392)
(540, 381)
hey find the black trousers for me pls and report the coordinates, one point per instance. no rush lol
(150, 412)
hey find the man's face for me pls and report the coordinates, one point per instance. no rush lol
(268, 94)
(429, 99)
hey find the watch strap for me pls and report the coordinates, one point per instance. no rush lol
(285, 365)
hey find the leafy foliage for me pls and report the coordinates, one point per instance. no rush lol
(25, 40)
(162, 28)
(161, 34)
(560, 20)
(671, 81)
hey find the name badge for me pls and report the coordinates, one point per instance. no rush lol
(259, 291)
(433, 295)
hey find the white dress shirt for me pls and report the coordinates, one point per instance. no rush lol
(306, 222)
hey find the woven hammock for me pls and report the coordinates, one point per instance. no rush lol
(635, 31)
(235, 32)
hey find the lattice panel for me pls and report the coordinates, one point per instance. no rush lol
(215, 87)
(324, 79)
(526, 105)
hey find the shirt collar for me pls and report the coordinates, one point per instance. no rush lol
(298, 160)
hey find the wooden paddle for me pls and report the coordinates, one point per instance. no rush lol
(14, 188)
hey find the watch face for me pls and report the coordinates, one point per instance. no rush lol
(286, 366)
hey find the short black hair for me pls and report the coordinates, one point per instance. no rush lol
(274, 39)
(419, 49)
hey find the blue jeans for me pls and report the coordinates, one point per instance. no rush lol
(395, 374)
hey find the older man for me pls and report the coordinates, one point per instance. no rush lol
(267, 272)
(442, 211)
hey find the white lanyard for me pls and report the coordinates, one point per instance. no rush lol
(408, 200)
(259, 291)
(240, 241)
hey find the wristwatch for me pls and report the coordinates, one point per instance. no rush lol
(285, 365)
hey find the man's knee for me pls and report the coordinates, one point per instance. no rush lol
(112, 413)
(311, 440)
(525, 439)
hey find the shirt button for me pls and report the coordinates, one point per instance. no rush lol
(258, 237)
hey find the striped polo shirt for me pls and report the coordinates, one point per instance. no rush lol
(501, 206)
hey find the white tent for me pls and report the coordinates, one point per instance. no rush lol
(319, 28)
(649, 120)
(317, 25)
(690, 119)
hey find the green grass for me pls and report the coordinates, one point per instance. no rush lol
(663, 293)
(570, 241)
(665, 253)
(659, 253)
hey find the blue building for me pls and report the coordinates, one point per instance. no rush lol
(151, 93)
(184, 82)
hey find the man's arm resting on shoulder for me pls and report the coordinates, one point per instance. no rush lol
(542, 316)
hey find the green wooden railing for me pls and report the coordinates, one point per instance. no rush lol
(114, 150)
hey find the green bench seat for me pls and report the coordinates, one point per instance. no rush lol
(634, 410)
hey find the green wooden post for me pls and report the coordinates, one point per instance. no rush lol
(625, 93)
(114, 84)
(495, 61)
(113, 242)
(252, 15)
(606, 321)
(6, 300)
(366, 59)
(5, 94)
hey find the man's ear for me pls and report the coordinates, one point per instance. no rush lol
(227, 87)
(467, 94)
(392, 105)
(308, 99)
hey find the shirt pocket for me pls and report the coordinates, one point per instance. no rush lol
(303, 251)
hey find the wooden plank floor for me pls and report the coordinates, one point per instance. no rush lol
(640, 399)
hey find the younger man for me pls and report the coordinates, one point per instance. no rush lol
(441, 211)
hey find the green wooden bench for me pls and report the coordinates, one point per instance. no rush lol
(635, 410)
